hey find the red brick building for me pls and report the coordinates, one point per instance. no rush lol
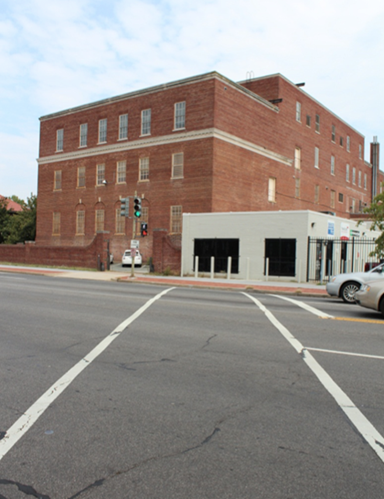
(203, 144)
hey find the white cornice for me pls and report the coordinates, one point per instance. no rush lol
(207, 133)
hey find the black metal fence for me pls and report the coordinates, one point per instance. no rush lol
(327, 257)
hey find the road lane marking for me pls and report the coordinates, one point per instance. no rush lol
(31, 415)
(352, 319)
(306, 307)
(363, 426)
(338, 352)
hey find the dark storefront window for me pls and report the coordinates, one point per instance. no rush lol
(281, 254)
(221, 249)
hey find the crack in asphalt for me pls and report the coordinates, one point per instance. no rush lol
(207, 343)
(26, 489)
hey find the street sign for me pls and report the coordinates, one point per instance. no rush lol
(134, 244)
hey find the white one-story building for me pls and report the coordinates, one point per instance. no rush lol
(296, 245)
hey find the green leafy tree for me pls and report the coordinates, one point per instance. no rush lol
(4, 216)
(376, 215)
(21, 226)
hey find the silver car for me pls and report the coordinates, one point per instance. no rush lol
(345, 285)
(371, 295)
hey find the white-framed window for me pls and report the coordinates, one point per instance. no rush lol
(81, 176)
(347, 173)
(360, 151)
(359, 177)
(179, 119)
(365, 181)
(317, 157)
(297, 188)
(272, 189)
(57, 181)
(60, 140)
(348, 146)
(99, 220)
(144, 169)
(353, 207)
(333, 133)
(123, 126)
(100, 174)
(353, 175)
(119, 222)
(298, 158)
(317, 194)
(333, 199)
(103, 131)
(56, 219)
(317, 123)
(83, 134)
(146, 122)
(178, 165)
(176, 219)
(332, 164)
(121, 172)
(308, 120)
(298, 111)
(144, 214)
(80, 222)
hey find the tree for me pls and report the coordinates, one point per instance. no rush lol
(4, 215)
(376, 215)
(20, 226)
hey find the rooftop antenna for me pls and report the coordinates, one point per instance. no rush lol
(250, 75)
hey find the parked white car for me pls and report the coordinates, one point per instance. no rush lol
(127, 259)
(345, 285)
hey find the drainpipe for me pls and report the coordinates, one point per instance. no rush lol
(375, 147)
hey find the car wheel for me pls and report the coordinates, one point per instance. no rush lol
(348, 291)
(381, 305)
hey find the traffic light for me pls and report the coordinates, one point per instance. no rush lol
(144, 229)
(137, 207)
(124, 207)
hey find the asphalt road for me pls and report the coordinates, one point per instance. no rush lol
(198, 394)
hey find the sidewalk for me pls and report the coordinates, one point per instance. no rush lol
(292, 288)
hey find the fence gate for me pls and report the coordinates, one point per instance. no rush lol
(327, 257)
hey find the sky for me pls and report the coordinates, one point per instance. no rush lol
(57, 54)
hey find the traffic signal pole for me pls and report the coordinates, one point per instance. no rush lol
(133, 237)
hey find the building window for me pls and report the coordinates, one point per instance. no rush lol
(272, 190)
(56, 224)
(178, 165)
(308, 120)
(317, 194)
(103, 131)
(333, 133)
(80, 222)
(123, 126)
(146, 122)
(99, 220)
(365, 181)
(100, 174)
(347, 173)
(176, 219)
(333, 198)
(81, 176)
(317, 126)
(317, 157)
(341, 197)
(121, 173)
(332, 165)
(83, 134)
(144, 214)
(360, 151)
(353, 175)
(57, 181)
(348, 143)
(341, 141)
(119, 222)
(298, 112)
(353, 207)
(297, 188)
(298, 158)
(144, 169)
(179, 115)
(60, 140)
(359, 178)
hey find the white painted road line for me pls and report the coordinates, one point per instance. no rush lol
(24, 423)
(363, 426)
(338, 352)
(306, 307)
